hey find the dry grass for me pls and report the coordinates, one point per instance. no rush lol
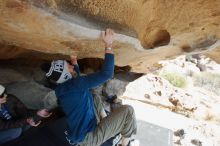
(208, 81)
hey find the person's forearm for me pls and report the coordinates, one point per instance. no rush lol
(30, 113)
(24, 111)
(4, 125)
(109, 51)
(95, 79)
(108, 48)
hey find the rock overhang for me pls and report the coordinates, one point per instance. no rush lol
(46, 29)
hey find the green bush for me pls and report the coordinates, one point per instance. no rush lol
(175, 79)
(209, 81)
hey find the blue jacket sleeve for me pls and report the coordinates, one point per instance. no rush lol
(98, 78)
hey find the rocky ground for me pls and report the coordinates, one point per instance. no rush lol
(192, 112)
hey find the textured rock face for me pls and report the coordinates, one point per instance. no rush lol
(47, 29)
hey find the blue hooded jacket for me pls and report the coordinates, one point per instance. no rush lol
(77, 102)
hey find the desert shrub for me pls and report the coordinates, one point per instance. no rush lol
(208, 81)
(175, 79)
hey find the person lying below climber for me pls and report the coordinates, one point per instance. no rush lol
(88, 124)
(15, 117)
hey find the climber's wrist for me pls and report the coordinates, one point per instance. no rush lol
(108, 45)
(108, 50)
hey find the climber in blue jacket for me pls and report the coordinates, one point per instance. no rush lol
(88, 124)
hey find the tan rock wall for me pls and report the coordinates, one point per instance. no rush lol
(144, 16)
(35, 27)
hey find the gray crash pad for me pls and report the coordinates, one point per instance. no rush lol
(152, 135)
